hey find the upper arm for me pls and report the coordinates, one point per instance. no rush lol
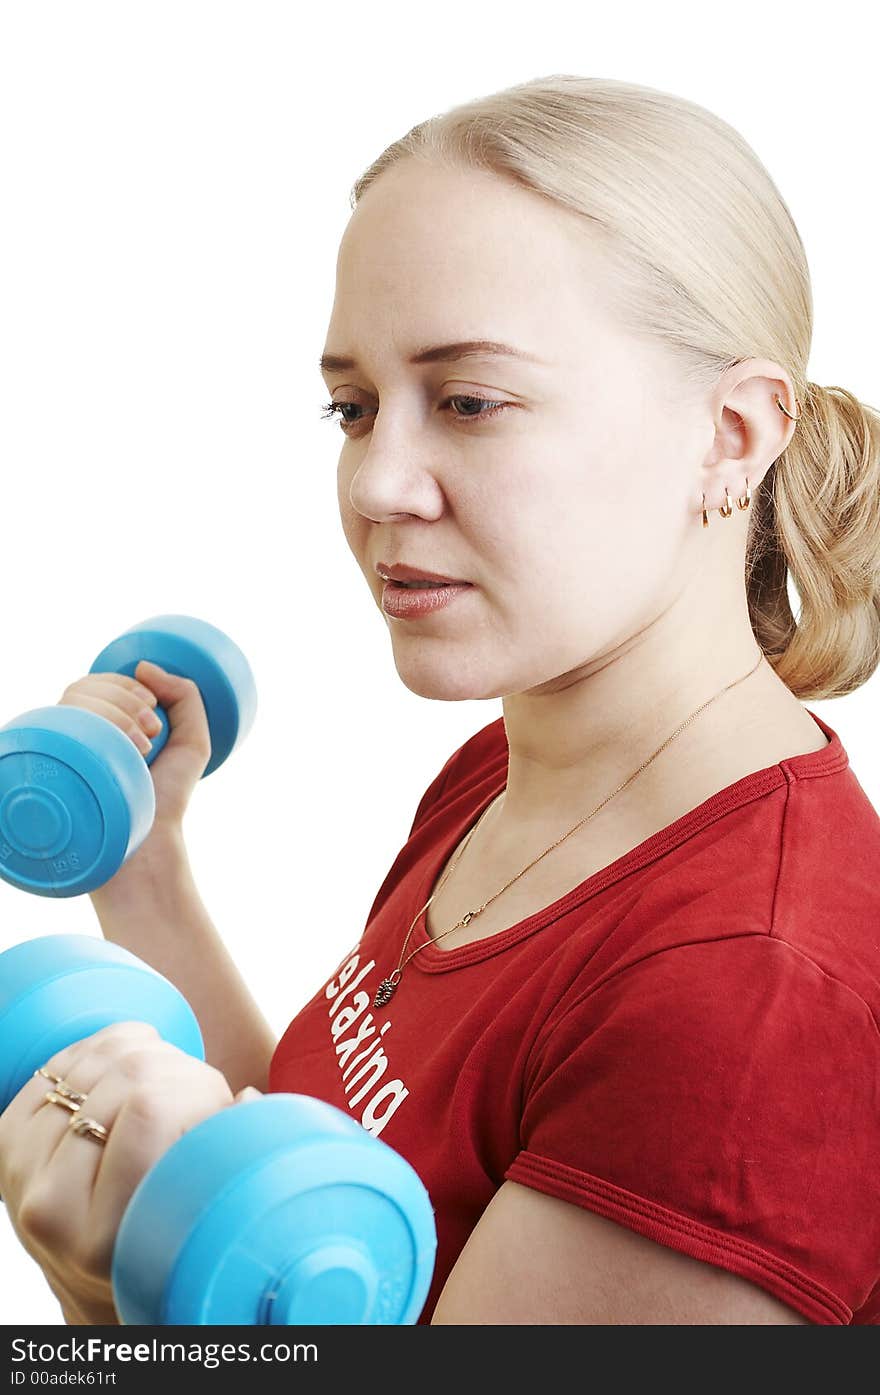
(534, 1259)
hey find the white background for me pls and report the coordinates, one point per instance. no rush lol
(174, 182)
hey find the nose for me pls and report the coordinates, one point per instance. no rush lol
(390, 483)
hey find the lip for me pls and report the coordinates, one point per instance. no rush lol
(401, 603)
(401, 572)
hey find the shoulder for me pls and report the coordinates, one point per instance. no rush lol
(747, 994)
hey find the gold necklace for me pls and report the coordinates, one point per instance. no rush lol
(388, 986)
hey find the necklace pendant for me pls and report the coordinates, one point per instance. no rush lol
(384, 993)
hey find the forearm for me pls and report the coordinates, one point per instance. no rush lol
(152, 907)
(90, 1308)
(101, 1315)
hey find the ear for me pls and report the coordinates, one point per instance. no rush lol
(751, 431)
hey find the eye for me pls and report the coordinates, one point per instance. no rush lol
(331, 409)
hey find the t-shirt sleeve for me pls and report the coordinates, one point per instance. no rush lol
(722, 1098)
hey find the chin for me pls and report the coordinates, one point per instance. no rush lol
(443, 682)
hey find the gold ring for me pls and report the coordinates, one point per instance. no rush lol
(53, 1097)
(41, 1070)
(61, 1086)
(90, 1128)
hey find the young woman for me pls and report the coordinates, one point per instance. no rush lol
(617, 998)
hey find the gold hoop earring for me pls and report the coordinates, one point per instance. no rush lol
(726, 509)
(784, 409)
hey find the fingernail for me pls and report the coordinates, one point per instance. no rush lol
(149, 719)
(143, 744)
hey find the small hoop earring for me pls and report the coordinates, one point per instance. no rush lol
(745, 499)
(705, 515)
(726, 509)
(784, 409)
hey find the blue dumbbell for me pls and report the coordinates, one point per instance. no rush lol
(281, 1210)
(76, 797)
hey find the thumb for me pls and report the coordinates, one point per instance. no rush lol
(180, 698)
(248, 1092)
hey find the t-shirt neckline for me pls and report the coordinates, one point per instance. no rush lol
(432, 958)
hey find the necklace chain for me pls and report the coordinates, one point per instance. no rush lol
(388, 985)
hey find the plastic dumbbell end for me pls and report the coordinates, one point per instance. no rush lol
(57, 989)
(281, 1210)
(76, 797)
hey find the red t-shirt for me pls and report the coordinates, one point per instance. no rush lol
(686, 1043)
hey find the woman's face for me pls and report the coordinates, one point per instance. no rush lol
(567, 510)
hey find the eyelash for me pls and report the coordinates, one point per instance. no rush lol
(331, 409)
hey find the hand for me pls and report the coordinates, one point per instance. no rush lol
(128, 703)
(66, 1193)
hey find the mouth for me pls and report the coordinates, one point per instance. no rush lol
(424, 585)
(404, 576)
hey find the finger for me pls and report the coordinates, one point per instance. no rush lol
(139, 692)
(31, 1127)
(84, 1060)
(127, 699)
(247, 1092)
(113, 687)
(102, 708)
(146, 1100)
(144, 1067)
(34, 1124)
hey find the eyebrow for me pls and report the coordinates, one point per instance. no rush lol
(438, 353)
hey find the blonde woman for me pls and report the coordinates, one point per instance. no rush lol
(617, 998)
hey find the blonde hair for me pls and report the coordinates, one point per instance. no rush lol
(707, 258)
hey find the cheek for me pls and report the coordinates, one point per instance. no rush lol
(553, 524)
(567, 542)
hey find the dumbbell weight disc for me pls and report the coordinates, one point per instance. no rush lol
(76, 799)
(191, 648)
(280, 1211)
(58, 989)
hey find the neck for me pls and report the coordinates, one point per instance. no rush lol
(585, 733)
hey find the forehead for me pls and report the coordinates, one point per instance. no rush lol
(468, 252)
(418, 217)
